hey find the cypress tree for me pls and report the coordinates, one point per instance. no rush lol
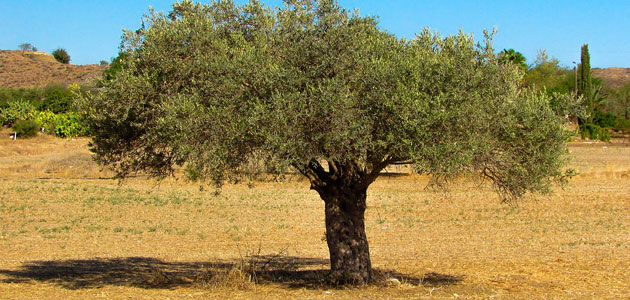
(585, 84)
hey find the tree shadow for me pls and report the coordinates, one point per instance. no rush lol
(152, 273)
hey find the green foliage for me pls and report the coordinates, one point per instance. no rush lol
(513, 57)
(17, 110)
(566, 105)
(215, 87)
(604, 119)
(114, 67)
(46, 120)
(61, 55)
(585, 83)
(622, 124)
(25, 128)
(55, 98)
(32, 95)
(594, 132)
(69, 124)
(546, 73)
(58, 99)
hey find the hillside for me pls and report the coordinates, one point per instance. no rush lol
(38, 69)
(613, 77)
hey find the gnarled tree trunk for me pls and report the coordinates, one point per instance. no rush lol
(344, 189)
(345, 234)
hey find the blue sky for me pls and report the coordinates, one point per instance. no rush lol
(90, 30)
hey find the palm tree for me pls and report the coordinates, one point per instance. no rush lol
(514, 57)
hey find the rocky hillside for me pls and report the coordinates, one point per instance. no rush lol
(613, 77)
(38, 69)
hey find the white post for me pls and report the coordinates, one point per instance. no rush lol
(15, 136)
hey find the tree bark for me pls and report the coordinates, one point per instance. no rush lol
(343, 187)
(345, 234)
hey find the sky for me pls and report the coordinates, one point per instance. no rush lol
(90, 30)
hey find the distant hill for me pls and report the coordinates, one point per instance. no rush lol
(38, 69)
(613, 77)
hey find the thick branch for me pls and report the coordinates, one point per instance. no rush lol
(334, 169)
(378, 167)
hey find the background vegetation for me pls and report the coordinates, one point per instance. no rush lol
(603, 109)
(52, 108)
(61, 55)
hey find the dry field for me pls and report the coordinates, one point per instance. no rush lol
(69, 232)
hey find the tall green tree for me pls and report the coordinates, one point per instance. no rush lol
(585, 83)
(310, 87)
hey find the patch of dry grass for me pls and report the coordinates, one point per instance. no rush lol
(75, 236)
(38, 69)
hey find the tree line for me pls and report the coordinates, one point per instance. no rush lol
(598, 110)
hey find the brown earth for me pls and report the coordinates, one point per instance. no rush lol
(67, 231)
(613, 78)
(38, 69)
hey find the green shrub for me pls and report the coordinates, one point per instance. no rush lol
(604, 119)
(25, 128)
(57, 99)
(61, 55)
(622, 124)
(17, 110)
(68, 124)
(594, 132)
(32, 95)
(46, 120)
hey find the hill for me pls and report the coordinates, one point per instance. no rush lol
(38, 69)
(613, 77)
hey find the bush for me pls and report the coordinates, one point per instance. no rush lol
(604, 119)
(32, 95)
(622, 124)
(594, 132)
(17, 110)
(25, 128)
(46, 120)
(68, 124)
(57, 99)
(61, 55)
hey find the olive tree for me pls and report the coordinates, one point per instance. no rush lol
(214, 89)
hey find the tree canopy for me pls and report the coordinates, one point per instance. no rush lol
(217, 88)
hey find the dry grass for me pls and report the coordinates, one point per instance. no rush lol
(614, 78)
(65, 233)
(38, 69)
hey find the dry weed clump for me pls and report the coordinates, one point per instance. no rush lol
(236, 277)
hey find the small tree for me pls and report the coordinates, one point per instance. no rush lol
(546, 73)
(61, 55)
(26, 47)
(310, 87)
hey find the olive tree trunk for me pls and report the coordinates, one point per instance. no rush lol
(345, 234)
